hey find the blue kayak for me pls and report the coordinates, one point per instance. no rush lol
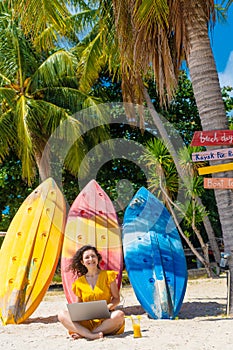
(154, 256)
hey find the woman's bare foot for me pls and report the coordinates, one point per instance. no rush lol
(91, 336)
(76, 336)
(98, 335)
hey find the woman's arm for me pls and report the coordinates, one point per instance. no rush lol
(115, 299)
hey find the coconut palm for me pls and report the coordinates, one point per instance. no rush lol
(37, 92)
(207, 91)
(167, 32)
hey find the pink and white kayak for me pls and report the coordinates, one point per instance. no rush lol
(92, 220)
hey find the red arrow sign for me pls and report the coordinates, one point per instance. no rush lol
(212, 138)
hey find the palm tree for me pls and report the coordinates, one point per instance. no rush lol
(37, 92)
(166, 33)
(208, 96)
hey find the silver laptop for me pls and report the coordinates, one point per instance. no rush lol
(88, 310)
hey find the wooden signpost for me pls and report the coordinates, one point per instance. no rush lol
(214, 138)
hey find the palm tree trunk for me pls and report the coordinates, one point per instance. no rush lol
(43, 163)
(209, 101)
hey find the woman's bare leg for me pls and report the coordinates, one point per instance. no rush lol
(113, 324)
(75, 327)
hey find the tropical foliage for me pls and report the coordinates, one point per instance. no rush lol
(164, 182)
(38, 91)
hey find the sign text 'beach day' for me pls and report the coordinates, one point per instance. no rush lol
(212, 138)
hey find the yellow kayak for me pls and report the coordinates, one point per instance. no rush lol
(30, 252)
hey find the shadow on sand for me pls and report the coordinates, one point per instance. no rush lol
(195, 309)
(188, 310)
(45, 320)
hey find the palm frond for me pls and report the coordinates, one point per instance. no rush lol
(47, 114)
(91, 63)
(221, 13)
(157, 151)
(53, 69)
(60, 130)
(75, 25)
(4, 79)
(37, 15)
(162, 169)
(8, 95)
(8, 135)
(148, 12)
(22, 125)
(65, 97)
(24, 139)
(46, 40)
(194, 187)
(16, 54)
(191, 209)
(227, 3)
(84, 20)
(74, 158)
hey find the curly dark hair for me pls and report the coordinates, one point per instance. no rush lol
(76, 265)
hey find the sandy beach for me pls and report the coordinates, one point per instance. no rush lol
(202, 324)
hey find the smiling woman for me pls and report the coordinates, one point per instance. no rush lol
(93, 284)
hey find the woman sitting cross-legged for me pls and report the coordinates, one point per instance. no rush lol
(93, 284)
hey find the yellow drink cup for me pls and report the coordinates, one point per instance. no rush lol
(136, 327)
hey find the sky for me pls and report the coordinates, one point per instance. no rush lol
(222, 45)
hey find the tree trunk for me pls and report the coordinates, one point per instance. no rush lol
(211, 235)
(43, 163)
(211, 109)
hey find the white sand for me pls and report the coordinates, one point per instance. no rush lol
(202, 324)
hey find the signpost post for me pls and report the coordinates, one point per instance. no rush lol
(215, 138)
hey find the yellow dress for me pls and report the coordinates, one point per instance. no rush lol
(101, 291)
